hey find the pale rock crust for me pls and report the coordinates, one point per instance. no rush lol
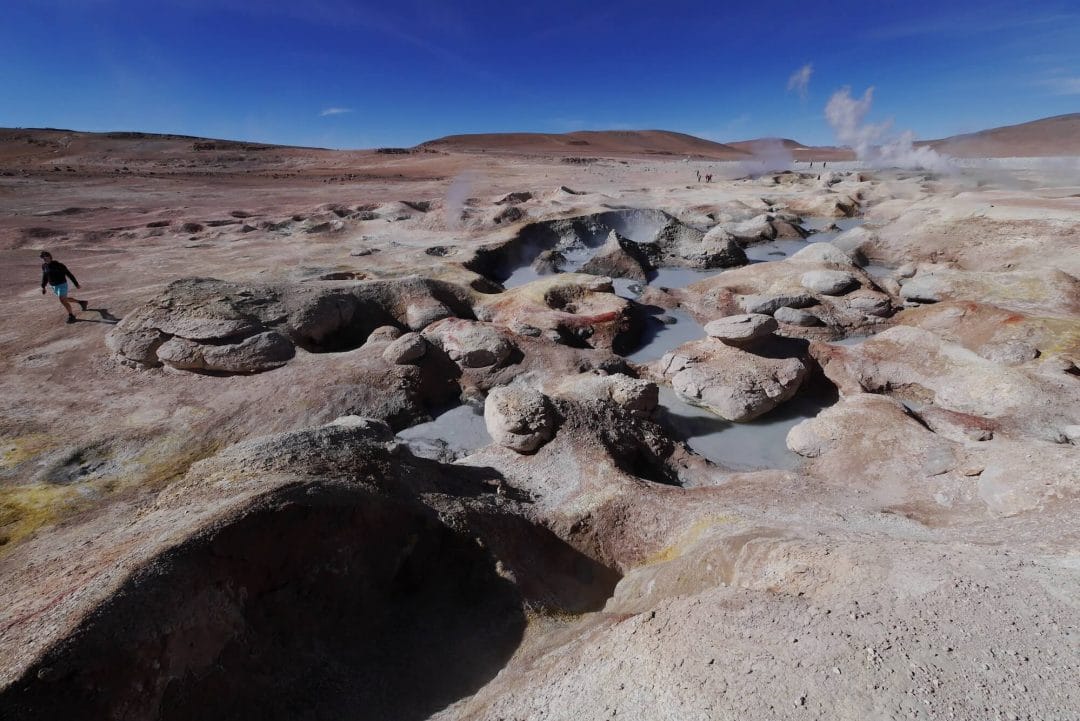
(519, 418)
(639, 397)
(918, 365)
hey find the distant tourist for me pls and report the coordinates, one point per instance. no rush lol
(698, 175)
(56, 274)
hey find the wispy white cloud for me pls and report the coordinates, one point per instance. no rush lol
(1063, 85)
(984, 19)
(334, 111)
(799, 81)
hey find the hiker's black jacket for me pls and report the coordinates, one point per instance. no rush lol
(54, 273)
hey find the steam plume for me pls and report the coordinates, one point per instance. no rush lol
(873, 143)
(456, 197)
(769, 155)
(800, 80)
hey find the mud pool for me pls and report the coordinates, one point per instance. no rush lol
(741, 446)
(457, 432)
(452, 434)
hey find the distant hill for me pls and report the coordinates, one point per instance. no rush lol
(41, 147)
(751, 146)
(1059, 135)
(604, 143)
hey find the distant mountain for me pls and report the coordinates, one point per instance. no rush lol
(1059, 135)
(606, 143)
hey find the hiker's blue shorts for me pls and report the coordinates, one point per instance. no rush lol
(60, 290)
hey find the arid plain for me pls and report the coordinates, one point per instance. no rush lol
(540, 427)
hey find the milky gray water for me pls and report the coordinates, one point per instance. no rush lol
(741, 446)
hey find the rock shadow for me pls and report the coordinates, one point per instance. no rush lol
(333, 606)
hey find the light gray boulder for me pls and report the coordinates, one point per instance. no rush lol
(768, 303)
(732, 383)
(828, 282)
(795, 316)
(822, 253)
(925, 288)
(405, 350)
(741, 329)
(420, 315)
(257, 353)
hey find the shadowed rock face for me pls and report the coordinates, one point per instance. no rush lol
(352, 606)
(326, 589)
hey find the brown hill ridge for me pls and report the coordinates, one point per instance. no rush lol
(607, 143)
(19, 147)
(1059, 135)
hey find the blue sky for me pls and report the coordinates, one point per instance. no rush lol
(343, 73)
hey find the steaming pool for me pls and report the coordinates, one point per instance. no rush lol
(455, 433)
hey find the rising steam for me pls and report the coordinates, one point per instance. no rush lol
(769, 155)
(799, 81)
(457, 196)
(874, 143)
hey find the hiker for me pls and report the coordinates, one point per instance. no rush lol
(56, 274)
(698, 176)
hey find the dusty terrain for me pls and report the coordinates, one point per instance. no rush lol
(222, 494)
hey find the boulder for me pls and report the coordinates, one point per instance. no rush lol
(822, 253)
(405, 350)
(520, 419)
(925, 288)
(257, 353)
(616, 258)
(758, 229)
(795, 316)
(869, 302)
(741, 329)
(420, 315)
(767, 304)
(732, 383)
(681, 245)
(640, 397)
(224, 319)
(471, 344)
(854, 242)
(1009, 353)
(548, 261)
(573, 307)
(829, 282)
